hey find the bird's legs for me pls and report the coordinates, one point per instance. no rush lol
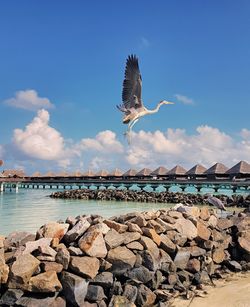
(128, 132)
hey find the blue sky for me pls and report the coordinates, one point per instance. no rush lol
(73, 53)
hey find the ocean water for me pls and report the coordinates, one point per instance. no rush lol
(28, 209)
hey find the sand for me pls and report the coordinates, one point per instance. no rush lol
(234, 291)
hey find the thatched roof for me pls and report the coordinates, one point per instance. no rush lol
(88, 173)
(217, 168)
(240, 168)
(116, 173)
(198, 169)
(130, 173)
(13, 172)
(144, 172)
(160, 171)
(177, 170)
(76, 174)
(49, 174)
(102, 173)
(36, 174)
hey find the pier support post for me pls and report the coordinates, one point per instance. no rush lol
(16, 188)
(1, 187)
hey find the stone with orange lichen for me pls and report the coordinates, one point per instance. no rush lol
(93, 244)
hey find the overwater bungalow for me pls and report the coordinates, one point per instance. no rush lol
(49, 175)
(62, 175)
(217, 172)
(160, 173)
(197, 172)
(36, 175)
(13, 173)
(144, 173)
(76, 175)
(101, 174)
(130, 174)
(88, 174)
(115, 174)
(240, 170)
(177, 172)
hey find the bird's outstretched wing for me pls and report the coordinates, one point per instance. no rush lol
(131, 93)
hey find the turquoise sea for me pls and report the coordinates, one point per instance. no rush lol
(28, 209)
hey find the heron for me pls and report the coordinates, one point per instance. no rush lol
(132, 105)
(216, 202)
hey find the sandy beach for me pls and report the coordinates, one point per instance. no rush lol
(233, 291)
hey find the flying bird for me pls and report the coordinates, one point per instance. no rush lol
(216, 202)
(132, 105)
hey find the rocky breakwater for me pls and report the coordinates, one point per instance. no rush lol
(153, 197)
(136, 259)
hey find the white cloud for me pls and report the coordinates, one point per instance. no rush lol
(104, 142)
(29, 100)
(184, 99)
(39, 140)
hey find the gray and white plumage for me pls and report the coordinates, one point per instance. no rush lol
(216, 202)
(132, 105)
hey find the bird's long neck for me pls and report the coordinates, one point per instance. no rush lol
(156, 109)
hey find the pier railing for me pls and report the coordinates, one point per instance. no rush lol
(122, 183)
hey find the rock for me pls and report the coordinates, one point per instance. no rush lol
(204, 213)
(117, 226)
(74, 288)
(135, 246)
(53, 230)
(140, 274)
(172, 278)
(149, 244)
(47, 251)
(78, 229)
(133, 227)
(31, 246)
(203, 233)
(45, 282)
(193, 265)
(186, 228)
(95, 293)
(121, 258)
(51, 266)
(145, 296)
(21, 271)
(165, 225)
(120, 301)
(139, 220)
(234, 266)
(101, 227)
(131, 236)
(29, 301)
(62, 256)
(224, 223)
(167, 245)
(244, 244)
(175, 214)
(2, 238)
(84, 266)
(75, 251)
(150, 260)
(130, 292)
(176, 237)
(156, 226)
(17, 239)
(212, 221)
(181, 258)
(105, 280)
(93, 244)
(10, 297)
(218, 255)
(114, 238)
(151, 233)
(193, 211)
(196, 251)
(4, 269)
